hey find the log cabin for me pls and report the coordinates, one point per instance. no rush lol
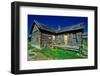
(44, 37)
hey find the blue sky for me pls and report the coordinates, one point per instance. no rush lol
(56, 21)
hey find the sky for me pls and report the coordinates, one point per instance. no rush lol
(57, 21)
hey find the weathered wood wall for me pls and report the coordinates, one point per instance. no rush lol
(35, 40)
(46, 40)
(74, 39)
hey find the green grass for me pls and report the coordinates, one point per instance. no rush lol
(60, 53)
(53, 54)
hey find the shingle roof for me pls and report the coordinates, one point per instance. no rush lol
(43, 26)
(65, 29)
(72, 28)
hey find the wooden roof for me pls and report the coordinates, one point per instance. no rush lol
(45, 28)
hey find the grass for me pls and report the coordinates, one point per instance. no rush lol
(57, 53)
(52, 54)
